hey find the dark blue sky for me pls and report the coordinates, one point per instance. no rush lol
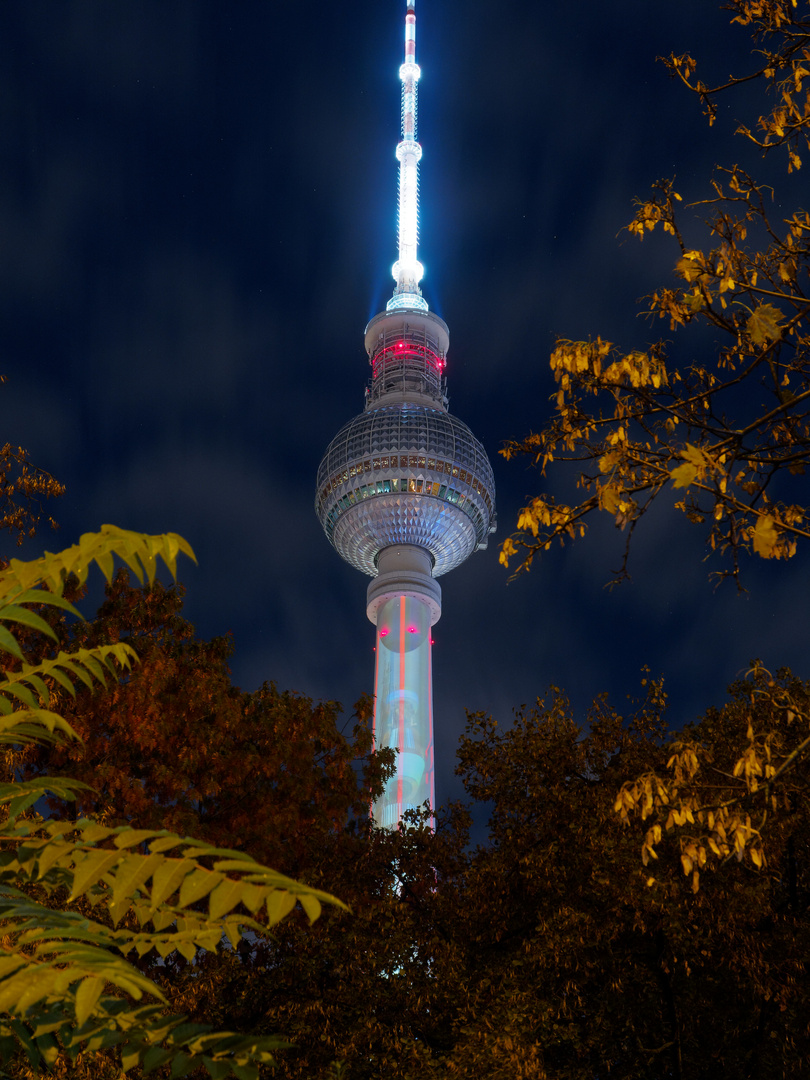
(198, 204)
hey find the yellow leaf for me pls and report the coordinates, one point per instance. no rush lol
(688, 267)
(198, 884)
(224, 898)
(90, 868)
(763, 324)
(765, 536)
(507, 550)
(279, 903)
(683, 475)
(609, 497)
(86, 997)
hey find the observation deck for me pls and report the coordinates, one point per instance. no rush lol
(405, 471)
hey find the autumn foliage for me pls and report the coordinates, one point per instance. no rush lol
(542, 950)
(24, 487)
(728, 433)
(176, 745)
(77, 897)
(563, 942)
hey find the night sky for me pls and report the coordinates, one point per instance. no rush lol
(198, 215)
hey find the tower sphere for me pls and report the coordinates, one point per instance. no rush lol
(406, 473)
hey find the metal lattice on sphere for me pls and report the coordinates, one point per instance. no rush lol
(406, 474)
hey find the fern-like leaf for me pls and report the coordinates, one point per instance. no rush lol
(27, 726)
(137, 880)
(140, 551)
(86, 666)
(176, 893)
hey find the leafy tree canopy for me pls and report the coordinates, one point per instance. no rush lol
(176, 745)
(728, 433)
(77, 896)
(568, 943)
(23, 489)
(547, 950)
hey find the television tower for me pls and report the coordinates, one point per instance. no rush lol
(405, 490)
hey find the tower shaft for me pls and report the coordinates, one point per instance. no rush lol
(404, 602)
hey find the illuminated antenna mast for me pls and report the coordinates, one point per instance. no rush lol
(407, 270)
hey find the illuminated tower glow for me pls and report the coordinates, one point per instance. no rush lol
(407, 270)
(405, 491)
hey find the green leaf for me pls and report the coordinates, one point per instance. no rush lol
(48, 1048)
(187, 949)
(311, 905)
(8, 643)
(10, 964)
(167, 879)
(128, 838)
(225, 897)
(154, 1057)
(21, 693)
(279, 904)
(57, 962)
(217, 1069)
(24, 1035)
(198, 884)
(166, 843)
(34, 726)
(253, 897)
(181, 1065)
(87, 998)
(92, 832)
(43, 597)
(132, 873)
(129, 1059)
(15, 613)
(90, 869)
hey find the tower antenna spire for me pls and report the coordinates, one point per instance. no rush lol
(407, 270)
